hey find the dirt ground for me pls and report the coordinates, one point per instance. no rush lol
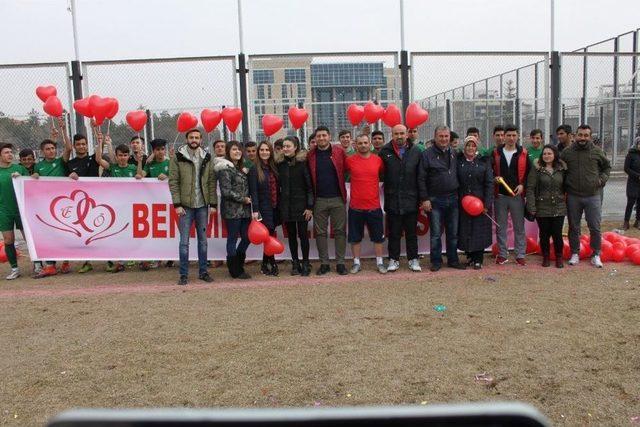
(564, 341)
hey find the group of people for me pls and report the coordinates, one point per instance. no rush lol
(285, 184)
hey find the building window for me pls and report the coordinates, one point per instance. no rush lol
(284, 92)
(260, 92)
(302, 90)
(296, 75)
(262, 77)
(269, 92)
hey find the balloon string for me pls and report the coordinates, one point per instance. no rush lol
(108, 126)
(492, 220)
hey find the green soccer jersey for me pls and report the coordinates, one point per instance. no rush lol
(8, 203)
(534, 153)
(128, 171)
(55, 167)
(154, 168)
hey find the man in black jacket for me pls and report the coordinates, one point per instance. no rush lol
(438, 190)
(401, 160)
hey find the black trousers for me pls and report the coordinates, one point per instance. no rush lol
(631, 201)
(298, 230)
(475, 256)
(550, 226)
(397, 225)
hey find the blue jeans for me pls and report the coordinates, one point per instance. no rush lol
(201, 217)
(237, 228)
(444, 211)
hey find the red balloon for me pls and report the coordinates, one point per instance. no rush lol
(271, 124)
(297, 117)
(635, 257)
(210, 119)
(606, 245)
(609, 236)
(258, 232)
(532, 246)
(495, 250)
(113, 108)
(585, 250)
(566, 249)
(415, 115)
(392, 116)
(83, 107)
(137, 119)
(232, 118)
(631, 249)
(355, 114)
(53, 107)
(472, 205)
(100, 108)
(618, 255)
(44, 92)
(93, 99)
(186, 121)
(373, 112)
(3, 254)
(273, 246)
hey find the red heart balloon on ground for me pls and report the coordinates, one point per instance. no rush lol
(44, 92)
(210, 119)
(415, 115)
(82, 107)
(273, 246)
(297, 117)
(53, 107)
(392, 116)
(137, 119)
(271, 124)
(113, 109)
(100, 108)
(186, 121)
(258, 232)
(373, 112)
(232, 117)
(355, 114)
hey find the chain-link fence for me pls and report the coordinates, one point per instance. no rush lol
(22, 120)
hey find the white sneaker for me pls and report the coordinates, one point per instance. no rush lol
(15, 273)
(596, 261)
(393, 265)
(382, 269)
(414, 265)
(575, 259)
(355, 269)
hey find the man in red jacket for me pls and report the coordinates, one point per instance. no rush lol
(326, 164)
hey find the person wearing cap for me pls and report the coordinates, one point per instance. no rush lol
(475, 177)
(632, 169)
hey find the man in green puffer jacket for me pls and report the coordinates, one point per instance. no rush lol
(587, 173)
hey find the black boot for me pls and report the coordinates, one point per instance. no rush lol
(295, 267)
(545, 260)
(306, 268)
(241, 273)
(636, 224)
(231, 265)
(274, 266)
(264, 268)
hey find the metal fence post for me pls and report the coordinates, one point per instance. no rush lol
(76, 79)
(556, 95)
(244, 104)
(149, 131)
(404, 79)
(583, 102)
(614, 120)
(634, 80)
(447, 112)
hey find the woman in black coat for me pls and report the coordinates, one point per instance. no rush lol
(475, 177)
(295, 201)
(632, 169)
(266, 174)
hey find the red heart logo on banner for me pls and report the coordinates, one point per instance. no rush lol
(44, 92)
(355, 114)
(113, 109)
(82, 107)
(373, 112)
(137, 119)
(271, 124)
(186, 121)
(297, 117)
(53, 106)
(392, 116)
(415, 115)
(100, 108)
(210, 119)
(232, 117)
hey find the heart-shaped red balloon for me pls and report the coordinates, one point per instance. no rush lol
(82, 107)
(93, 99)
(373, 112)
(258, 232)
(210, 119)
(273, 246)
(232, 117)
(44, 92)
(297, 117)
(113, 109)
(355, 114)
(53, 107)
(271, 124)
(186, 121)
(137, 119)
(415, 115)
(392, 116)
(100, 108)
